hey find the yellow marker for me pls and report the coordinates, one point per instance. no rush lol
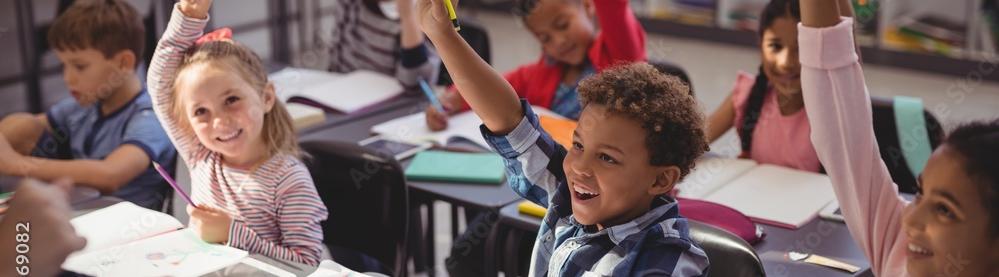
(529, 208)
(452, 15)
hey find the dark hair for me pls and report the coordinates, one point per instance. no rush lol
(661, 103)
(109, 26)
(978, 145)
(775, 9)
(522, 8)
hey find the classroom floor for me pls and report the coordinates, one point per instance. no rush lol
(712, 68)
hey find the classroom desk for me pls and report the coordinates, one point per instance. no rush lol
(822, 237)
(79, 194)
(423, 194)
(84, 207)
(469, 196)
(334, 119)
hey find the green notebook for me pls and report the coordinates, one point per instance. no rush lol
(456, 167)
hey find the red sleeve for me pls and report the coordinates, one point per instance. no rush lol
(621, 36)
(518, 80)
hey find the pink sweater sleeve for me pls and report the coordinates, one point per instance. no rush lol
(839, 110)
(179, 36)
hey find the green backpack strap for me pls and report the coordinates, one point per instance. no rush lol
(913, 137)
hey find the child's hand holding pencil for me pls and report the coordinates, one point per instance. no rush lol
(211, 224)
(436, 16)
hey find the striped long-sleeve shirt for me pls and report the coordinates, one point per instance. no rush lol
(275, 208)
(362, 39)
(656, 243)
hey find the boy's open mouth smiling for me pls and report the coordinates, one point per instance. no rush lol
(583, 193)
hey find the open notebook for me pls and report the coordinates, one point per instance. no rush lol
(127, 240)
(766, 193)
(346, 93)
(465, 126)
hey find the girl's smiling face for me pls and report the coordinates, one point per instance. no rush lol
(225, 112)
(779, 48)
(947, 226)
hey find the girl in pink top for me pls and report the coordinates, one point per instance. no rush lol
(766, 110)
(952, 227)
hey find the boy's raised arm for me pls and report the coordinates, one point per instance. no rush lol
(490, 96)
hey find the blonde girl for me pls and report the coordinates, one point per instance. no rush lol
(250, 189)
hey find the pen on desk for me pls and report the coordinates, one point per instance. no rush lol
(452, 15)
(431, 96)
(172, 183)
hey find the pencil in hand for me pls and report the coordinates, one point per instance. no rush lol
(173, 183)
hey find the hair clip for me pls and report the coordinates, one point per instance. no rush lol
(220, 34)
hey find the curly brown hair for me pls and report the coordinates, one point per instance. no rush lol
(663, 105)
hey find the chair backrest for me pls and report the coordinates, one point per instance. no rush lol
(729, 255)
(885, 130)
(675, 70)
(367, 198)
(478, 38)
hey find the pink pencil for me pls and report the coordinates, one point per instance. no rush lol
(173, 183)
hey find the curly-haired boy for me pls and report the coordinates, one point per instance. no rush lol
(608, 213)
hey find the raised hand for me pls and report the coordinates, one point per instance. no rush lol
(433, 17)
(820, 13)
(195, 8)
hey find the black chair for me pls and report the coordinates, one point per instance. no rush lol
(885, 130)
(477, 38)
(729, 255)
(674, 70)
(367, 198)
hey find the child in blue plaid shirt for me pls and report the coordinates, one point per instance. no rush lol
(608, 210)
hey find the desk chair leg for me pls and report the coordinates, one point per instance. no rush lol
(454, 222)
(431, 257)
(491, 257)
(511, 259)
(416, 226)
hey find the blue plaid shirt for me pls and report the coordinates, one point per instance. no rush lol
(656, 243)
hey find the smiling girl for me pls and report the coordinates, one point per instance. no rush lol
(766, 110)
(251, 190)
(952, 227)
